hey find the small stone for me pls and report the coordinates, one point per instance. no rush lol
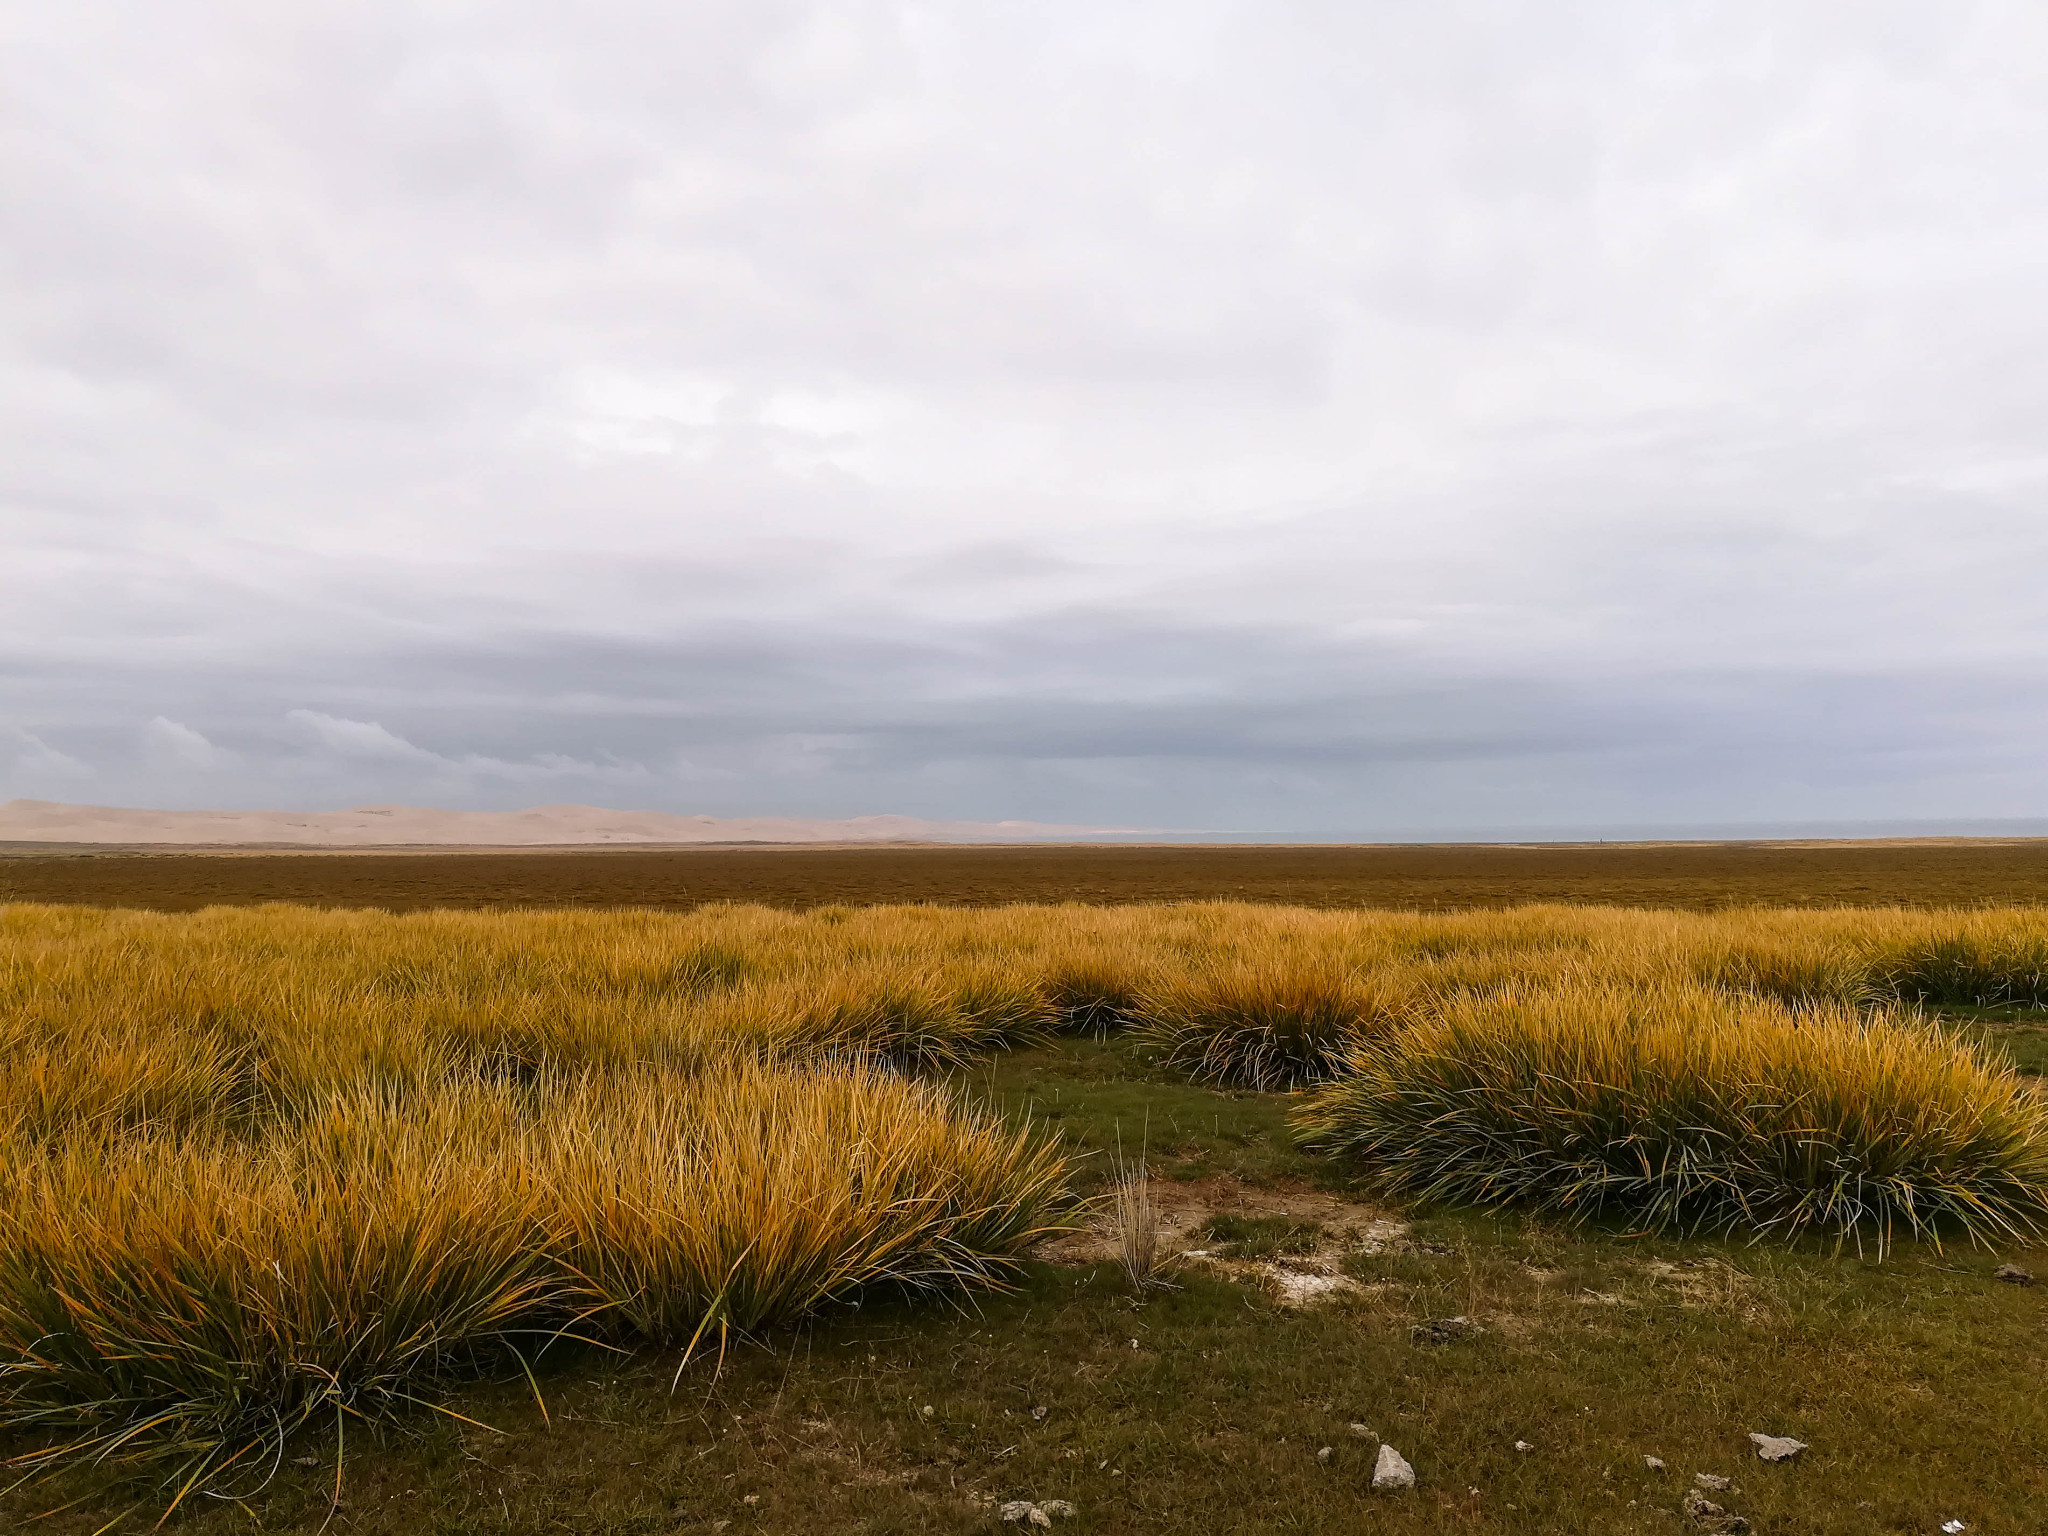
(2012, 1274)
(305, 1461)
(926, 1411)
(1391, 1471)
(1654, 1463)
(1039, 1517)
(1040, 1413)
(1442, 1330)
(1365, 1432)
(1954, 1527)
(1776, 1447)
(1325, 1454)
(1524, 1446)
(751, 1499)
(1059, 1507)
(1015, 1511)
(1712, 1480)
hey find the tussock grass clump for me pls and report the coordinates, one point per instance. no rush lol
(1978, 965)
(1791, 969)
(192, 1300)
(919, 1018)
(1679, 1108)
(1270, 1022)
(1094, 993)
(1978, 959)
(755, 1194)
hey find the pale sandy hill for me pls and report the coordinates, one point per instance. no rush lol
(45, 821)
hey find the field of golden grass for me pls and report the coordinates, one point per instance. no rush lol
(273, 1171)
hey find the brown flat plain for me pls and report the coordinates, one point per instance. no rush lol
(1696, 876)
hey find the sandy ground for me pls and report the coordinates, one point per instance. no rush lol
(557, 826)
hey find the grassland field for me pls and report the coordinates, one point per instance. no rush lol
(1686, 876)
(750, 1219)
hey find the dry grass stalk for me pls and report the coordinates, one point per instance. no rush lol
(1136, 1220)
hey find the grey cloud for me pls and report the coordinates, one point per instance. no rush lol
(1100, 708)
(1216, 414)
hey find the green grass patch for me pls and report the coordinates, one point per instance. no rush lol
(2018, 1036)
(1261, 1237)
(1203, 1409)
(1915, 1383)
(1114, 1098)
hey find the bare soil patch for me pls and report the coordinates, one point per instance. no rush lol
(1326, 1227)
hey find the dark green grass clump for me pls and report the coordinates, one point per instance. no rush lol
(1268, 1025)
(1676, 1109)
(1997, 968)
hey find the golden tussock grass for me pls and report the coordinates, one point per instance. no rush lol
(198, 1296)
(1679, 1108)
(265, 1168)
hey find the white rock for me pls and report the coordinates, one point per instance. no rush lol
(1058, 1507)
(1713, 1480)
(1298, 1287)
(1654, 1463)
(1040, 1518)
(1016, 1511)
(1954, 1527)
(1325, 1454)
(1391, 1471)
(1365, 1432)
(1523, 1445)
(1776, 1447)
(1711, 1518)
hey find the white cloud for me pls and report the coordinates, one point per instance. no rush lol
(358, 738)
(169, 744)
(35, 765)
(363, 741)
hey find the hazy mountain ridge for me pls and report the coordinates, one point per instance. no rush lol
(46, 821)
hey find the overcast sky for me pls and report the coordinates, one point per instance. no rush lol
(1264, 416)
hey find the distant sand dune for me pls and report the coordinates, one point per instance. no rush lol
(45, 821)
